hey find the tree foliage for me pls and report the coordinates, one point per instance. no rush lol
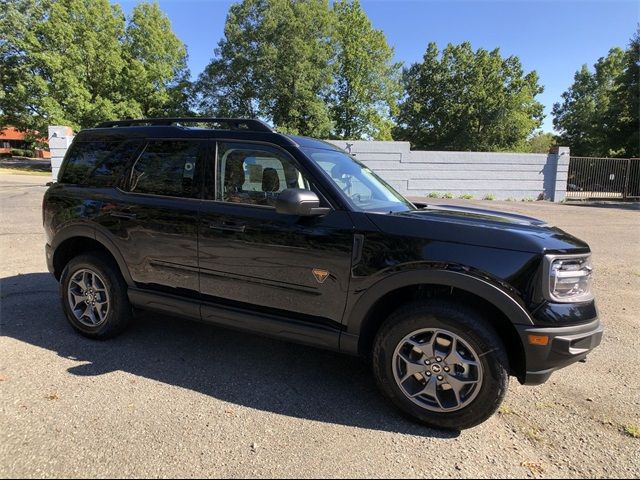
(306, 67)
(22, 90)
(273, 62)
(624, 108)
(465, 100)
(540, 142)
(366, 82)
(157, 73)
(75, 62)
(582, 117)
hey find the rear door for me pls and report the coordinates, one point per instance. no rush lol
(253, 257)
(154, 217)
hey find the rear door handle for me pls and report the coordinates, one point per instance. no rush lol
(227, 227)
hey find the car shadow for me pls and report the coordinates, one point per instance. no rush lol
(235, 367)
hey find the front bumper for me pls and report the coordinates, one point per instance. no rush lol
(566, 345)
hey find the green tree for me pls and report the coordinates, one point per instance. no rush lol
(229, 84)
(466, 100)
(366, 81)
(21, 89)
(74, 62)
(273, 62)
(82, 61)
(156, 74)
(540, 142)
(624, 107)
(582, 118)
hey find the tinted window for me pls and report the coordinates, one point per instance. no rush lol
(98, 163)
(255, 175)
(166, 167)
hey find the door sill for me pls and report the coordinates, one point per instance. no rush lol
(270, 325)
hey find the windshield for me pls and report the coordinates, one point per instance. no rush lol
(363, 189)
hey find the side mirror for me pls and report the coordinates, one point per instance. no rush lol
(299, 202)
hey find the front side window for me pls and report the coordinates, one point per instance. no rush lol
(362, 188)
(255, 175)
(166, 167)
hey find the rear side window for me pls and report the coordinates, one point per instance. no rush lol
(166, 167)
(98, 163)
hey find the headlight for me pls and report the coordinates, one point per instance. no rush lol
(568, 278)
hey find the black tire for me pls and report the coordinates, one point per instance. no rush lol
(472, 329)
(119, 313)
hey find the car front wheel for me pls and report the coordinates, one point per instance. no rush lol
(442, 364)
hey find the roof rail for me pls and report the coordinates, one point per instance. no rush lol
(231, 123)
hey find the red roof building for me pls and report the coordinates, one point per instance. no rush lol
(11, 138)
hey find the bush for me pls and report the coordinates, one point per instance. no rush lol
(489, 196)
(447, 195)
(19, 152)
(434, 195)
(466, 196)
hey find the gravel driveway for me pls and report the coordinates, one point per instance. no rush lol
(174, 398)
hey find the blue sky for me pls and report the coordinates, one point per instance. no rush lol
(552, 37)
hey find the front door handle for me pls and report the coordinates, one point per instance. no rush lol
(227, 227)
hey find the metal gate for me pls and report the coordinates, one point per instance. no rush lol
(603, 178)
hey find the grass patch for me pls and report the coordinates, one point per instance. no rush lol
(448, 195)
(534, 434)
(466, 196)
(632, 430)
(534, 467)
(434, 195)
(505, 410)
(18, 171)
(489, 196)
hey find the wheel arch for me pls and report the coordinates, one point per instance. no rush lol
(497, 306)
(74, 241)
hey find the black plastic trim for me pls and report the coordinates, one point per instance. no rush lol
(566, 345)
(260, 323)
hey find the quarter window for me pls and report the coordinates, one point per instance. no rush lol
(166, 167)
(98, 163)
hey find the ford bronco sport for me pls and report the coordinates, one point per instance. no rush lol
(227, 222)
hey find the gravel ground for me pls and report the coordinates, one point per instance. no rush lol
(174, 398)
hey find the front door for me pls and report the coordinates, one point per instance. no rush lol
(252, 257)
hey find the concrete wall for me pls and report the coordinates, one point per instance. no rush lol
(502, 175)
(418, 173)
(60, 138)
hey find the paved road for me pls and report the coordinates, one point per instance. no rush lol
(174, 398)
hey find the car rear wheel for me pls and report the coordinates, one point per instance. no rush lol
(94, 296)
(442, 364)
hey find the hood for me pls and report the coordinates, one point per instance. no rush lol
(476, 226)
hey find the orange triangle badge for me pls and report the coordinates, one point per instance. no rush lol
(321, 275)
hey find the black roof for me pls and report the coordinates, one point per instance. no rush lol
(224, 128)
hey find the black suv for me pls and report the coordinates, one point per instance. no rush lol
(228, 222)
